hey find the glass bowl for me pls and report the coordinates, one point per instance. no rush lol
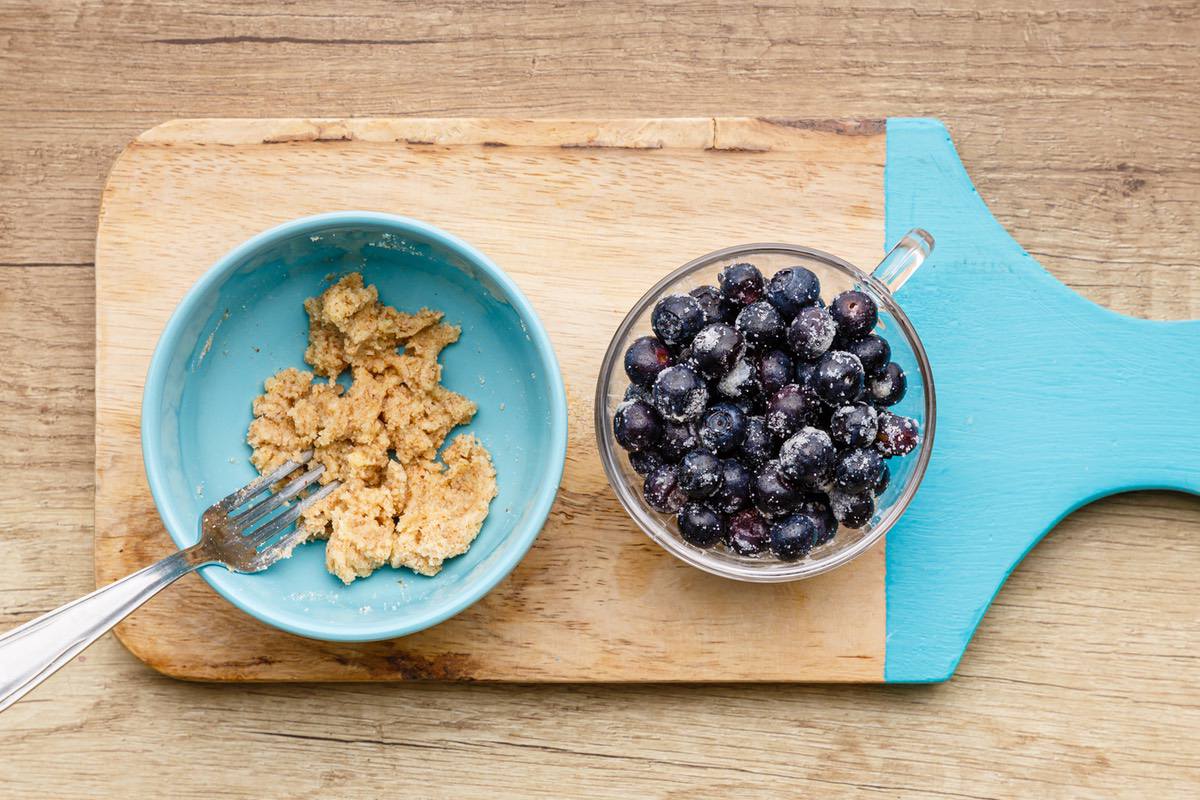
(836, 276)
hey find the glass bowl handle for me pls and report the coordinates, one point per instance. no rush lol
(903, 260)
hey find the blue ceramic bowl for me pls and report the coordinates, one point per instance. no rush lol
(243, 321)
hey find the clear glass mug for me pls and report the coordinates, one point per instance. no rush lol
(836, 275)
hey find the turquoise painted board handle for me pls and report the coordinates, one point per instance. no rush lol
(1046, 402)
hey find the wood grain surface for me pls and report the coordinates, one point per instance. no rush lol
(567, 208)
(1078, 122)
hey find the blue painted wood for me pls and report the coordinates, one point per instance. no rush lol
(1046, 402)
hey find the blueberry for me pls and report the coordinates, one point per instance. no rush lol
(889, 387)
(885, 477)
(699, 525)
(677, 439)
(758, 447)
(741, 283)
(817, 507)
(715, 307)
(852, 509)
(858, 470)
(854, 425)
(792, 288)
(805, 370)
(873, 351)
(897, 435)
(661, 490)
(734, 493)
(723, 428)
(811, 333)
(771, 491)
(741, 381)
(807, 456)
(855, 314)
(760, 325)
(636, 426)
(645, 358)
(635, 392)
(646, 461)
(677, 318)
(793, 537)
(699, 474)
(715, 348)
(838, 378)
(789, 410)
(746, 533)
(679, 394)
(775, 369)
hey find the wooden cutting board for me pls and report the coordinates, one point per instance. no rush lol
(585, 215)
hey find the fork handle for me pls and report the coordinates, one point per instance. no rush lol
(34, 651)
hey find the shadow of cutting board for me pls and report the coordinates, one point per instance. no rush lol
(1045, 400)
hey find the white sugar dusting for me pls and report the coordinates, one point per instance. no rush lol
(731, 384)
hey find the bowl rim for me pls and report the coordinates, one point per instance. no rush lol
(700, 558)
(552, 463)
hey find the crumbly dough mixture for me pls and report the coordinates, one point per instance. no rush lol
(398, 504)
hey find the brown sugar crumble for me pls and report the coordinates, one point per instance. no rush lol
(398, 504)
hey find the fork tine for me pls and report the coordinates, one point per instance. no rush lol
(280, 549)
(264, 534)
(244, 520)
(262, 482)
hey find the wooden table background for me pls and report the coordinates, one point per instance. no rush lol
(1080, 124)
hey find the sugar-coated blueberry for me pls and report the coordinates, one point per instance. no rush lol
(858, 470)
(645, 461)
(741, 283)
(661, 490)
(714, 349)
(789, 410)
(853, 510)
(771, 491)
(722, 428)
(885, 477)
(898, 435)
(854, 425)
(817, 507)
(678, 438)
(811, 333)
(758, 445)
(793, 537)
(807, 456)
(741, 382)
(699, 525)
(746, 533)
(775, 370)
(699, 474)
(716, 308)
(889, 386)
(635, 392)
(805, 371)
(855, 314)
(760, 325)
(645, 358)
(679, 393)
(792, 288)
(636, 425)
(873, 351)
(676, 319)
(734, 492)
(839, 377)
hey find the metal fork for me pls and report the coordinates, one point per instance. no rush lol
(239, 537)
